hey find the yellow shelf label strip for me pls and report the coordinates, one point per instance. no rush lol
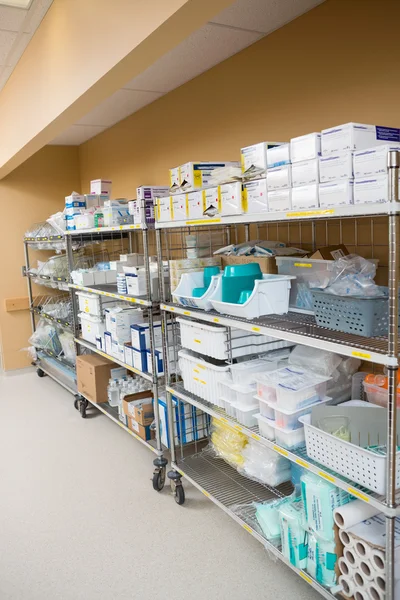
(359, 354)
(355, 492)
(311, 213)
(326, 476)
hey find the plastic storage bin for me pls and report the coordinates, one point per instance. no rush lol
(287, 419)
(94, 304)
(309, 273)
(291, 388)
(242, 394)
(270, 295)
(361, 316)
(246, 414)
(245, 372)
(265, 427)
(265, 409)
(379, 395)
(92, 327)
(201, 377)
(290, 438)
(183, 294)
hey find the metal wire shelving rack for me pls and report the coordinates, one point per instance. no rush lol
(221, 483)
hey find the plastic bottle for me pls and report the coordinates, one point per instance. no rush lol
(113, 392)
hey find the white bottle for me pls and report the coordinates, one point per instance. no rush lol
(113, 393)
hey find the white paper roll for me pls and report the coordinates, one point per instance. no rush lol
(380, 582)
(367, 570)
(378, 560)
(375, 592)
(346, 538)
(345, 568)
(361, 595)
(352, 513)
(351, 558)
(362, 549)
(347, 585)
(361, 582)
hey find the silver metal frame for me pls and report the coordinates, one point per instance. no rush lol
(300, 329)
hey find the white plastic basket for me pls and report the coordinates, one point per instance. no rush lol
(357, 463)
(183, 293)
(270, 296)
(201, 377)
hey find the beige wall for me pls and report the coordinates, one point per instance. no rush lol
(337, 63)
(81, 54)
(30, 194)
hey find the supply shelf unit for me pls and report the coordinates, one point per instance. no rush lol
(223, 485)
(114, 241)
(45, 238)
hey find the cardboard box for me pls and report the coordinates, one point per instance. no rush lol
(336, 193)
(373, 161)
(305, 147)
(305, 172)
(163, 209)
(174, 177)
(140, 335)
(142, 431)
(93, 200)
(211, 202)
(178, 207)
(230, 199)
(101, 186)
(142, 211)
(280, 200)
(371, 189)
(279, 177)
(128, 354)
(278, 155)
(337, 166)
(356, 136)
(139, 360)
(140, 407)
(93, 373)
(196, 175)
(330, 252)
(194, 205)
(150, 192)
(305, 197)
(255, 197)
(267, 264)
(254, 158)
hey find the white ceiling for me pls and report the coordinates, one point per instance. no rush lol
(17, 27)
(237, 27)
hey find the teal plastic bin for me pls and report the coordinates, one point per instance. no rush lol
(237, 279)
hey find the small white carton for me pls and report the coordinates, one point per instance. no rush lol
(254, 158)
(278, 155)
(305, 147)
(336, 193)
(174, 178)
(279, 177)
(178, 207)
(163, 209)
(194, 204)
(150, 192)
(93, 200)
(230, 199)
(280, 200)
(356, 136)
(255, 198)
(305, 172)
(373, 161)
(305, 196)
(196, 175)
(211, 202)
(336, 166)
(370, 190)
(101, 186)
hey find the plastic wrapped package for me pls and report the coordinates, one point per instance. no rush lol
(321, 560)
(46, 337)
(228, 443)
(353, 275)
(349, 365)
(294, 536)
(265, 465)
(68, 346)
(319, 361)
(268, 518)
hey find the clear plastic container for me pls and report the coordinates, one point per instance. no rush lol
(310, 273)
(246, 414)
(244, 372)
(242, 394)
(266, 427)
(287, 419)
(378, 395)
(265, 389)
(229, 409)
(290, 438)
(292, 388)
(265, 410)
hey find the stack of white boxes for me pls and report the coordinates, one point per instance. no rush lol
(371, 182)
(140, 347)
(142, 209)
(117, 336)
(256, 160)
(279, 178)
(74, 205)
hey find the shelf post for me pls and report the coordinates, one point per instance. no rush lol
(29, 282)
(393, 172)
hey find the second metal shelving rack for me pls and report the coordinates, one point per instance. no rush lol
(223, 485)
(117, 234)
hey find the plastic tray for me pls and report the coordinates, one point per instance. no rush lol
(363, 316)
(246, 414)
(265, 427)
(189, 281)
(242, 394)
(284, 418)
(270, 296)
(245, 372)
(201, 377)
(378, 395)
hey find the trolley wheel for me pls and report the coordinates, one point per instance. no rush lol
(76, 403)
(179, 494)
(82, 408)
(159, 479)
(40, 373)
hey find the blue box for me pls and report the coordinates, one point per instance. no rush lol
(140, 335)
(139, 359)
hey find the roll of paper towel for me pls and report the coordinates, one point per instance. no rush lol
(345, 568)
(361, 595)
(363, 550)
(351, 558)
(347, 585)
(346, 538)
(375, 593)
(352, 513)
(367, 570)
(361, 582)
(378, 560)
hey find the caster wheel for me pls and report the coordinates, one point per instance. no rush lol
(76, 404)
(159, 480)
(179, 494)
(82, 408)
(40, 373)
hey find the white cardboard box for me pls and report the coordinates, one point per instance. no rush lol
(101, 186)
(163, 209)
(370, 190)
(174, 177)
(305, 147)
(372, 161)
(230, 199)
(255, 198)
(178, 207)
(336, 166)
(96, 199)
(336, 193)
(196, 175)
(356, 136)
(305, 172)
(210, 202)
(255, 157)
(278, 155)
(194, 204)
(108, 343)
(280, 200)
(279, 177)
(305, 196)
(150, 192)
